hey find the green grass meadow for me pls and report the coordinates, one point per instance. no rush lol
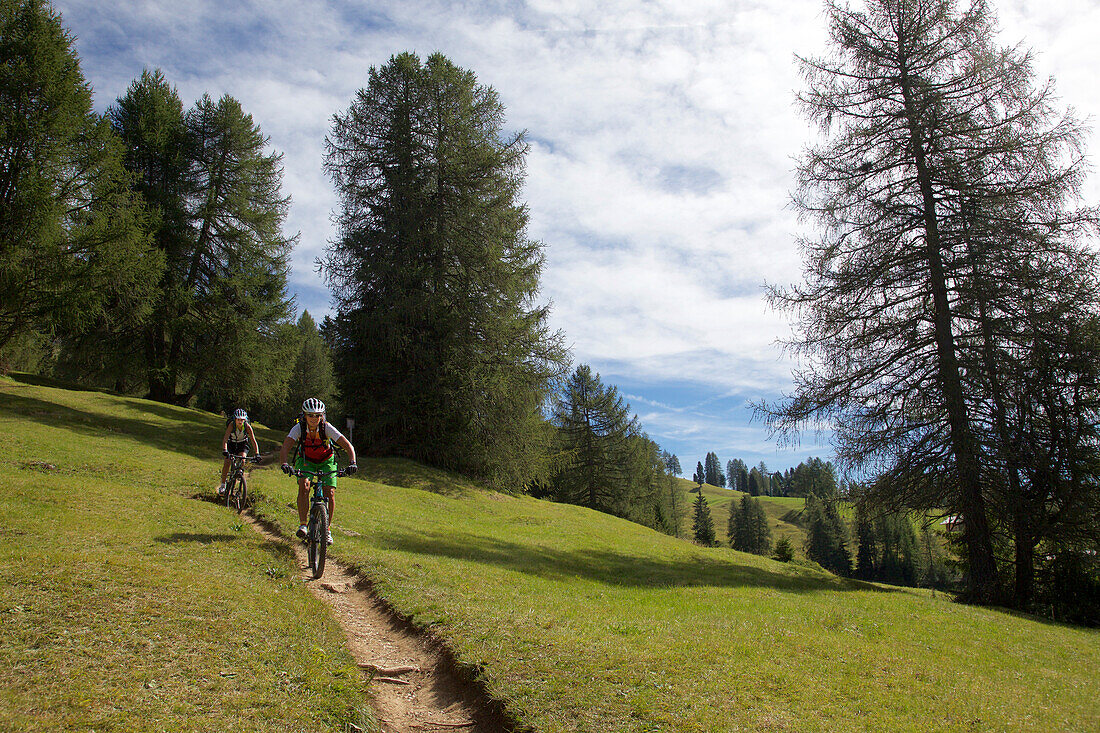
(126, 601)
(127, 605)
(721, 501)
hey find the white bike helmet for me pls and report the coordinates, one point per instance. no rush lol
(240, 415)
(313, 405)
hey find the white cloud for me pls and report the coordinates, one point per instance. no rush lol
(663, 135)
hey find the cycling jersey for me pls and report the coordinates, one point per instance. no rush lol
(313, 448)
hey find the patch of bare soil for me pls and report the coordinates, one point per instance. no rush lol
(415, 685)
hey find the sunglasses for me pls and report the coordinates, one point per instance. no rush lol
(314, 414)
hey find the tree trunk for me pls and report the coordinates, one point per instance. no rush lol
(982, 576)
(1025, 560)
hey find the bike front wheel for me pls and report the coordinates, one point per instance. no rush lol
(231, 490)
(242, 495)
(317, 538)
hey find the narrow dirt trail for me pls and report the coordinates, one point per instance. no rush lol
(414, 685)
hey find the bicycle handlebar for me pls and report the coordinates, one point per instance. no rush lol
(317, 474)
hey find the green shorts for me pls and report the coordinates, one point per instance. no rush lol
(323, 467)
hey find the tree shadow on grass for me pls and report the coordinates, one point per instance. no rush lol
(189, 435)
(620, 569)
(202, 538)
(406, 473)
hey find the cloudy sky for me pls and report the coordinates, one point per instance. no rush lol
(663, 136)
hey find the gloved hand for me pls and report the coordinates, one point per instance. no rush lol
(225, 453)
(286, 468)
(352, 468)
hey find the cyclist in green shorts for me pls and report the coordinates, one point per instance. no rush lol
(315, 438)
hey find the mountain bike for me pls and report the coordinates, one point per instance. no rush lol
(236, 486)
(317, 527)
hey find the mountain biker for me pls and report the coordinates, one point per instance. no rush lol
(238, 434)
(315, 437)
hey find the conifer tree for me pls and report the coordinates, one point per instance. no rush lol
(218, 326)
(733, 524)
(732, 477)
(867, 553)
(73, 243)
(898, 541)
(942, 194)
(712, 471)
(755, 481)
(310, 376)
(702, 523)
(784, 552)
(748, 529)
(672, 463)
(442, 352)
(826, 536)
(596, 435)
(761, 531)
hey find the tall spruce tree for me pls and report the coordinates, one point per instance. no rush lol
(218, 326)
(943, 172)
(813, 477)
(756, 481)
(712, 470)
(312, 375)
(73, 245)
(702, 523)
(596, 435)
(441, 350)
(898, 542)
(867, 553)
(737, 475)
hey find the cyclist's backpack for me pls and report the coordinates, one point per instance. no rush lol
(301, 422)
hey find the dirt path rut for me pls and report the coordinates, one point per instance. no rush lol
(414, 685)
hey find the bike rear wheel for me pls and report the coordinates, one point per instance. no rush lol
(317, 538)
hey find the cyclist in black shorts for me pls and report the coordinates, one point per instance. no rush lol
(238, 434)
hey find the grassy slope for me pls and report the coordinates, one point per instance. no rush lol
(578, 621)
(582, 622)
(722, 500)
(127, 605)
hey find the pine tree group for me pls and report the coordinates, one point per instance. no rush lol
(748, 527)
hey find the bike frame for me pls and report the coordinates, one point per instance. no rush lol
(236, 474)
(318, 521)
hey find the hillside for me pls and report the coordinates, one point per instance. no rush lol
(128, 605)
(720, 501)
(575, 620)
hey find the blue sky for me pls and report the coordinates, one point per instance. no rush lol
(663, 136)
